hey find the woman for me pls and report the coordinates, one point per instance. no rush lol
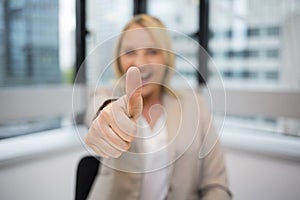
(150, 138)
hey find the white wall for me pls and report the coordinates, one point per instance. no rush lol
(52, 176)
(262, 177)
(46, 177)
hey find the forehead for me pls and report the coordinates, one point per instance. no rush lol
(137, 37)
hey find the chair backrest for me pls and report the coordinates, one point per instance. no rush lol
(87, 170)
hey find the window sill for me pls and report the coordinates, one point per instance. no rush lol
(272, 145)
(23, 147)
(27, 146)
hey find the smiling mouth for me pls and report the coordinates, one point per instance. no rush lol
(146, 76)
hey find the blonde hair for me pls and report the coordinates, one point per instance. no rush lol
(161, 37)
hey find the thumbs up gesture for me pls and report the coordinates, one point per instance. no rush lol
(113, 130)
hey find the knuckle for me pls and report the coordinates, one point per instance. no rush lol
(94, 133)
(96, 150)
(105, 151)
(129, 138)
(126, 137)
(104, 115)
(100, 117)
(123, 146)
(87, 140)
(96, 129)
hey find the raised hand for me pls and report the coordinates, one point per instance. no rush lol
(113, 130)
(133, 93)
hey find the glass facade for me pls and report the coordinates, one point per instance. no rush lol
(104, 21)
(181, 17)
(252, 41)
(254, 45)
(30, 45)
(37, 41)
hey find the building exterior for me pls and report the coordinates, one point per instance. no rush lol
(247, 41)
(29, 48)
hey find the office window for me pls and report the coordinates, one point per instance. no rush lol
(181, 17)
(104, 21)
(30, 38)
(259, 38)
(259, 54)
(36, 54)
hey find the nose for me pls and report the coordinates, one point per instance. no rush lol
(140, 59)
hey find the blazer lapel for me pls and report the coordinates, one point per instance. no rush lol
(171, 104)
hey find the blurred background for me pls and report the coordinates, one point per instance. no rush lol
(254, 50)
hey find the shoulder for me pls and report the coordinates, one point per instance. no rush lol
(190, 97)
(190, 103)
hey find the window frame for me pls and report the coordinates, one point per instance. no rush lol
(282, 103)
(238, 101)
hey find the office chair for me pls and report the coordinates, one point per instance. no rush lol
(87, 170)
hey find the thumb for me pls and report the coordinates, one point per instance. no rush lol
(133, 92)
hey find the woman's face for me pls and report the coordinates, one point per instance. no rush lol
(139, 49)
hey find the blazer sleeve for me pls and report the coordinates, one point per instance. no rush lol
(97, 100)
(214, 182)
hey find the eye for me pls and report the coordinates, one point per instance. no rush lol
(129, 52)
(153, 51)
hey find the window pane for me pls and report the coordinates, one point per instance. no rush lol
(181, 16)
(105, 19)
(16, 128)
(37, 40)
(30, 43)
(255, 43)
